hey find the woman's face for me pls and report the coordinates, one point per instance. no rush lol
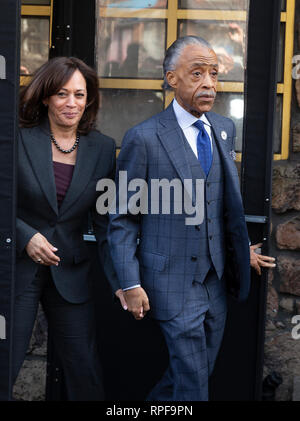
(66, 108)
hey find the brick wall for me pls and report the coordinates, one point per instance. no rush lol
(282, 352)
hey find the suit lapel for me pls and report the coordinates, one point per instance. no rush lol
(85, 164)
(38, 148)
(172, 138)
(231, 179)
(217, 130)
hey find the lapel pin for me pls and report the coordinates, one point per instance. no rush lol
(224, 135)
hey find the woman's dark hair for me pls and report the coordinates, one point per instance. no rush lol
(47, 81)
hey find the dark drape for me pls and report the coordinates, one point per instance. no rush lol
(9, 87)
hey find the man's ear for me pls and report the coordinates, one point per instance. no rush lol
(172, 79)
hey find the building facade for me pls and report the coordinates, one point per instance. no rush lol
(131, 37)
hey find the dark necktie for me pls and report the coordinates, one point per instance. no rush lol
(203, 147)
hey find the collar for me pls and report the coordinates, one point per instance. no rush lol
(186, 119)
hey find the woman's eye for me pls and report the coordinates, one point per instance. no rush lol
(61, 94)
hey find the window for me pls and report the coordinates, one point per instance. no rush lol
(284, 87)
(36, 21)
(132, 36)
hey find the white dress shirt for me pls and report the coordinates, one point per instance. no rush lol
(186, 121)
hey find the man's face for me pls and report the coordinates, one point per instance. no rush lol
(195, 79)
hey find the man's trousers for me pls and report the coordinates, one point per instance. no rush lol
(193, 339)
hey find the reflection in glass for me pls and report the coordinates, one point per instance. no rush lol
(37, 2)
(232, 106)
(122, 109)
(281, 53)
(134, 4)
(34, 43)
(214, 4)
(283, 5)
(131, 48)
(228, 41)
(278, 125)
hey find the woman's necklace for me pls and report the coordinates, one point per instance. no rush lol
(65, 150)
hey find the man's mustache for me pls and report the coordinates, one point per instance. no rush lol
(210, 94)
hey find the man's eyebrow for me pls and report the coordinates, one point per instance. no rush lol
(200, 64)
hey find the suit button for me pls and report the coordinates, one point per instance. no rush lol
(210, 237)
(197, 227)
(208, 184)
(209, 220)
(194, 258)
(208, 202)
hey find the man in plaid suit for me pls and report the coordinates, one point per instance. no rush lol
(179, 271)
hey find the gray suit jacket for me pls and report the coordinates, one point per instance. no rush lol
(164, 262)
(37, 210)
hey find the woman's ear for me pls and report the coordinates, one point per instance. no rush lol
(45, 102)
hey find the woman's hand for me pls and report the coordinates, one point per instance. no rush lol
(257, 260)
(120, 294)
(41, 251)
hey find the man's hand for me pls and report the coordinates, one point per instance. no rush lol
(120, 294)
(257, 260)
(137, 302)
(41, 251)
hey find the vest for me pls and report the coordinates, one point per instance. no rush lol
(211, 232)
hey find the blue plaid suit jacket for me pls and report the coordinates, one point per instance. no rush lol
(157, 251)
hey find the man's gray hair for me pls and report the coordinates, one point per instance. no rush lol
(174, 52)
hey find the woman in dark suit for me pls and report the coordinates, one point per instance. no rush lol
(61, 158)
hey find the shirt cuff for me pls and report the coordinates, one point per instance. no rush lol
(134, 286)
